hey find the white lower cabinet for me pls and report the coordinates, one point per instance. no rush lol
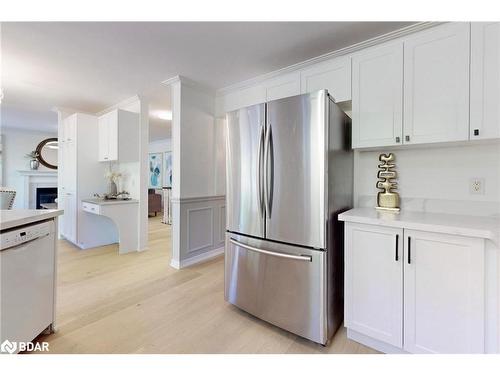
(419, 292)
(443, 293)
(374, 282)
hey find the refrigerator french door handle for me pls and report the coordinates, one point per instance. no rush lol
(306, 258)
(260, 184)
(268, 170)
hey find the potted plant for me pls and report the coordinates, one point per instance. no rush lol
(34, 163)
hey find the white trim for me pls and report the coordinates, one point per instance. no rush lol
(330, 55)
(203, 246)
(197, 259)
(188, 82)
(374, 343)
(119, 105)
(198, 199)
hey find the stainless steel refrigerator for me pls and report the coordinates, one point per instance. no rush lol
(289, 172)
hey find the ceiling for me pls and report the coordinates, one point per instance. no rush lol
(91, 66)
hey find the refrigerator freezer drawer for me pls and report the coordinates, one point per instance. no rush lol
(282, 284)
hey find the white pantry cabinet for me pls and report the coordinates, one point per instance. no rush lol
(81, 175)
(443, 293)
(332, 75)
(485, 80)
(377, 96)
(283, 86)
(436, 84)
(119, 136)
(374, 282)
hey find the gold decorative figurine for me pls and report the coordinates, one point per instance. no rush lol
(387, 199)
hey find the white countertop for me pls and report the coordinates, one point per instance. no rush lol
(15, 218)
(105, 202)
(462, 225)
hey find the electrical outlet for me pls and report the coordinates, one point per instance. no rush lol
(476, 186)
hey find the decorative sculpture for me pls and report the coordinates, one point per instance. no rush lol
(387, 199)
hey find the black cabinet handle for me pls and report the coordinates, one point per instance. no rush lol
(409, 250)
(397, 247)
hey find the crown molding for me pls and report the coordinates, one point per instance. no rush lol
(330, 55)
(118, 105)
(188, 82)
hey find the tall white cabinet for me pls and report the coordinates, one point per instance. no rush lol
(81, 175)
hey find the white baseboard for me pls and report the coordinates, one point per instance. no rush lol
(374, 343)
(175, 263)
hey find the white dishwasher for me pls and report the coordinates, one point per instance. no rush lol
(27, 269)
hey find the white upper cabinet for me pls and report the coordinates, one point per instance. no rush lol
(283, 86)
(443, 293)
(119, 136)
(436, 84)
(377, 96)
(333, 75)
(374, 282)
(485, 80)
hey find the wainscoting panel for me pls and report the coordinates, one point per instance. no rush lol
(200, 226)
(198, 231)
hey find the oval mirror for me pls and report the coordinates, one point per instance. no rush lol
(47, 152)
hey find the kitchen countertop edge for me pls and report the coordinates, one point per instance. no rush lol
(469, 226)
(16, 218)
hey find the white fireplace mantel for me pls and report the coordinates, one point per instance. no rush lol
(34, 180)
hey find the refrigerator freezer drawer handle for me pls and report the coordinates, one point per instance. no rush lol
(306, 258)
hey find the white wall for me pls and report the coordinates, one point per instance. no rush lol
(16, 144)
(436, 178)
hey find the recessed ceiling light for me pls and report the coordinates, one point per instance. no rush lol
(164, 115)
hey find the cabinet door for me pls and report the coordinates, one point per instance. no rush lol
(333, 75)
(374, 282)
(70, 217)
(103, 138)
(70, 128)
(485, 80)
(113, 135)
(377, 96)
(436, 85)
(70, 167)
(283, 86)
(444, 293)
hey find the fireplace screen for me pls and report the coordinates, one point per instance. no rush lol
(45, 195)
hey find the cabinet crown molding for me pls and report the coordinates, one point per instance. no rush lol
(330, 55)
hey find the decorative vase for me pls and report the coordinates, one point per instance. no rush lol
(34, 164)
(113, 190)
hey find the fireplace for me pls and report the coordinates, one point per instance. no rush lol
(45, 195)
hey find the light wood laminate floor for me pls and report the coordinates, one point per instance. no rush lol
(137, 303)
